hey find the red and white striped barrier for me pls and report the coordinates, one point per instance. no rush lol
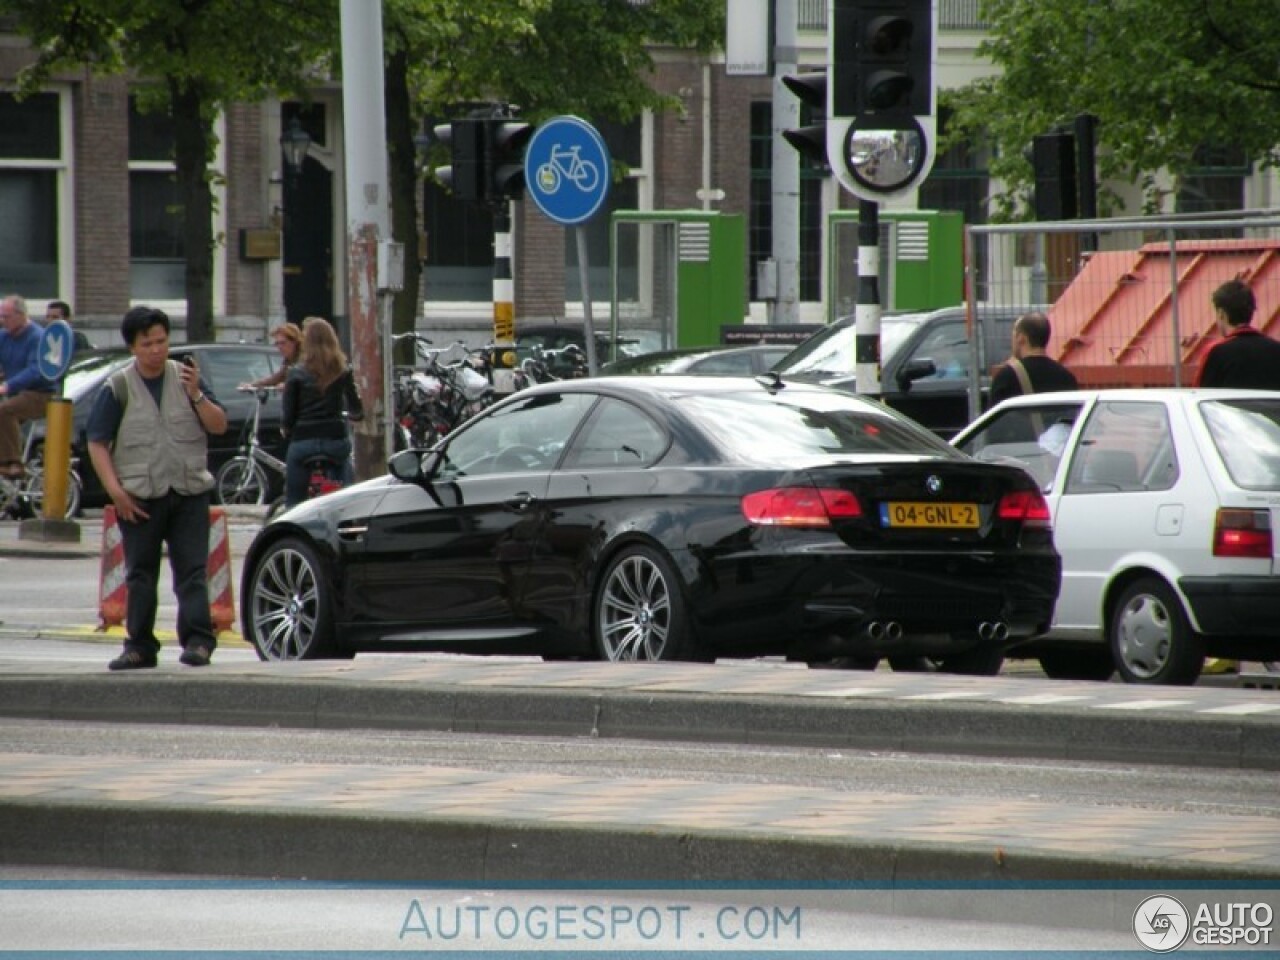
(218, 572)
(113, 595)
(113, 592)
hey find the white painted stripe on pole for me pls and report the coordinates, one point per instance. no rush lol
(868, 261)
(503, 290)
(502, 245)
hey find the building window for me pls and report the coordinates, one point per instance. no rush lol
(1215, 182)
(31, 167)
(157, 254)
(760, 205)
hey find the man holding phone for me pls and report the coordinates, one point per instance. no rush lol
(148, 441)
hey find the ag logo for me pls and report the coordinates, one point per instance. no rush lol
(1161, 924)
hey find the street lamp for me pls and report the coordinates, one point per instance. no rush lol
(295, 142)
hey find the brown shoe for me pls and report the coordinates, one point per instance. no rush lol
(196, 655)
(132, 660)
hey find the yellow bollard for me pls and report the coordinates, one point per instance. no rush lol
(57, 457)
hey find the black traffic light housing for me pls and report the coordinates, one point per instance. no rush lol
(810, 140)
(881, 123)
(505, 140)
(486, 154)
(1053, 156)
(463, 176)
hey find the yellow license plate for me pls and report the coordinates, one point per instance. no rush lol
(963, 516)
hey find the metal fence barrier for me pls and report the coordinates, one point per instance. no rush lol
(1128, 299)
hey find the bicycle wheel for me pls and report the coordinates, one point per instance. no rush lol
(34, 492)
(243, 481)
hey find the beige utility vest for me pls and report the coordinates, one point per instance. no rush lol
(162, 448)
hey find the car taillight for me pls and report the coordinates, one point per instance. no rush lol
(1028, 506)
(800, 506)
(1242, 533)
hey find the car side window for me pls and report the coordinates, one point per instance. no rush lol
(948, 348)
(617, 435)
(1034, 438)
(1124, 447)
(524, 437)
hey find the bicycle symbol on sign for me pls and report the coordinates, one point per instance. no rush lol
(566, 163)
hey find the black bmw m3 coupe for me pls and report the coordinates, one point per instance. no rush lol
(667, 518)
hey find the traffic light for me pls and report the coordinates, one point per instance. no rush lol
(1053, 155)
(881, 124)
(464, 175)
(810, 140)
(505, 141)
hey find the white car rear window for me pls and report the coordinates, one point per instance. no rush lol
(1246, 434)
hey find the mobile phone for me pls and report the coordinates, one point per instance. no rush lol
(189, 360)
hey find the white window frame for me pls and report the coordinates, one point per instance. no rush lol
(63, 168)
(178, 308)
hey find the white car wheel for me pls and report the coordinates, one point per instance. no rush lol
(1151, 640)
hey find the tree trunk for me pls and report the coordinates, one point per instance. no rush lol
(192, 142)
(403, 171)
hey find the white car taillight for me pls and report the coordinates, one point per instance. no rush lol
(1242, 533)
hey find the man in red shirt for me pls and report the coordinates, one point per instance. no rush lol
(1246, 357)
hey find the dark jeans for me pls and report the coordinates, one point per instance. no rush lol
(182, 523)
(297, 476)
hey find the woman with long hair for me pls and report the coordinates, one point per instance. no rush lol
(320, 396)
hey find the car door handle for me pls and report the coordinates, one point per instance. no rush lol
(519, 503)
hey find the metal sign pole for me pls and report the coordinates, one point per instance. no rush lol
(584, 278)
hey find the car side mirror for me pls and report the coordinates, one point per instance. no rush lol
(413, 466)
(914, 370)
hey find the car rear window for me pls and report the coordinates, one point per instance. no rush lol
(1246, 434)
(799, 424)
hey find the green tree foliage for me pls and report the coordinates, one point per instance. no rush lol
(588, 57)
(193, 58)
(1163, 77)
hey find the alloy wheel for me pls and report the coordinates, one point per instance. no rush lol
(285, 606)
(634, 615)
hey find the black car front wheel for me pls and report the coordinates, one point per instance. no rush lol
(639, 612)
(288, 612)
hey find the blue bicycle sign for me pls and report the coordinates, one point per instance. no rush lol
(566, 170)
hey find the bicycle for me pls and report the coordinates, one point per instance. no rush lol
(544, 365)
(23, 497)
(432, 401)
(324, 475)
(244, 479)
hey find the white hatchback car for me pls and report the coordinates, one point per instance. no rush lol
(1163, 502)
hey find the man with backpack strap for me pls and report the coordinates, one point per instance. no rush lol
(1030, 369)
(148, 440)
